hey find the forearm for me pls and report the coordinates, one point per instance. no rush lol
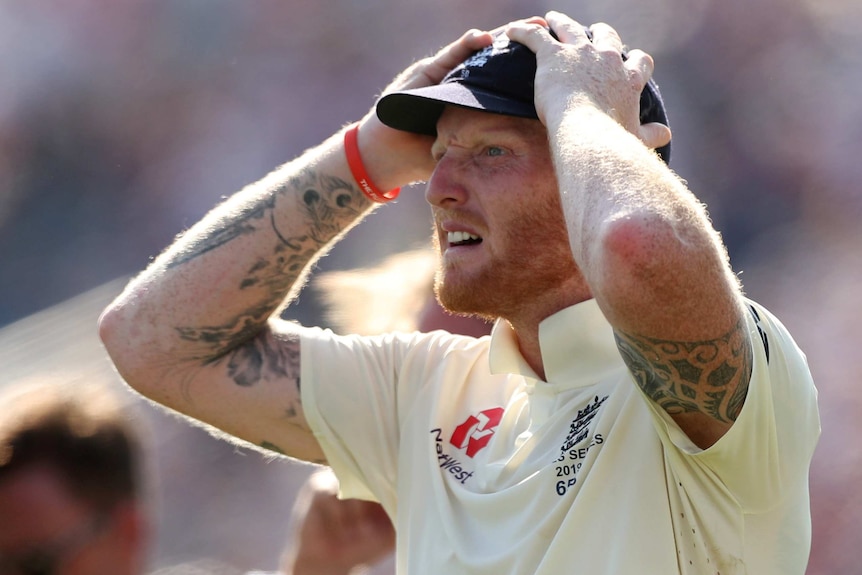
(642, 240)
(220, 282)
(659, 272)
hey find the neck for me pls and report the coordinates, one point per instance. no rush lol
(526, 329)
(528, 345)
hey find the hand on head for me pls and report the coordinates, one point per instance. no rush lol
(398, 157)
(578, 68)
(570, 66)
(395, 158)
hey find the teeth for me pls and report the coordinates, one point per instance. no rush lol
(459, 237)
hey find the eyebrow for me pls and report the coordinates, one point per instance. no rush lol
(490, 126)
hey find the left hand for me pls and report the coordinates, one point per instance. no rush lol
(575, 71)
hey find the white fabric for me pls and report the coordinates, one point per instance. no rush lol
(583, 474)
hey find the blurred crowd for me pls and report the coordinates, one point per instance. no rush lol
(123, 122)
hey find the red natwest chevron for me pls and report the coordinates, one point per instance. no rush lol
(477, 430)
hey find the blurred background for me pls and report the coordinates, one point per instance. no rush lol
(122, 123)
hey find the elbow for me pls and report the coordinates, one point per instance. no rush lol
(635, 245)
(643, 256)
(659, 240)
(107, 325)
(112, 331)
(120, 342)
(647, 264)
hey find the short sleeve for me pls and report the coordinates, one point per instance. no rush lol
(349, 398)
(767, 452)
(355, 392)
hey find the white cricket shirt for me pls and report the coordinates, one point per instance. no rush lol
(488, 470)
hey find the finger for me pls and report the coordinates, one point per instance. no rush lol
(605, 37)
(455, 53)
(531, 35)
(642, 62)
(435, 69)
(531, 20)
(567, 30)
(654, 135)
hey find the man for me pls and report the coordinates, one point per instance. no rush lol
(69, 501)
(631, 412)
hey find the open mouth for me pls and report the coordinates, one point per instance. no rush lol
(462, 239)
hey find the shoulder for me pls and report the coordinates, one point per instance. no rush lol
(773, 341)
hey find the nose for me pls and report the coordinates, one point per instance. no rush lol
(445, 186)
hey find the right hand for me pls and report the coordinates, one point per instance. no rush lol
(394, 158)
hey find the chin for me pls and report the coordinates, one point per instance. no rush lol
(466, 298)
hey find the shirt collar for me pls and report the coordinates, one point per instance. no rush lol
(577, 343)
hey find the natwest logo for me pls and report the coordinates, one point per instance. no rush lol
(477, 430)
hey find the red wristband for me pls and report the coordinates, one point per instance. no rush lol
(351, 148)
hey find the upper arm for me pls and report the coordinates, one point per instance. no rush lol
(701, 384)
(251, 392)
(680, 323)
(657, 269)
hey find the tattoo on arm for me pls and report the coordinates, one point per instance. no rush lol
(682, 377)
(327, 200)
(266, 356)
(241, 223)
(329, 205)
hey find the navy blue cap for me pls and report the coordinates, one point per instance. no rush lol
(498, 79)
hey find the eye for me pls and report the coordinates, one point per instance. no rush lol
(495, 151)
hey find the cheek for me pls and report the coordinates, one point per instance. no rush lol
(537, 208)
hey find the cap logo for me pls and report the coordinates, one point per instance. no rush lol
(480, 58)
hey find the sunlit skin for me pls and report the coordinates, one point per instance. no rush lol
(494, 179)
